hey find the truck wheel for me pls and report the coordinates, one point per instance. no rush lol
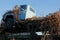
(9, 23)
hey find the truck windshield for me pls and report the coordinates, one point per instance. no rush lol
(23, 8)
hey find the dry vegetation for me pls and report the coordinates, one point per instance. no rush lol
(52, 23)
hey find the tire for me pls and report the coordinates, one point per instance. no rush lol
(9, 24)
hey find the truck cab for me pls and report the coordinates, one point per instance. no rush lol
(11, 18)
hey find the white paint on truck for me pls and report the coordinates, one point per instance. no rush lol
(26, 11)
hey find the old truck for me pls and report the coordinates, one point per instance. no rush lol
(24, 19)
(18, 17)
(20, 21)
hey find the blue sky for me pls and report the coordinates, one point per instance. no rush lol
(42, 7)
